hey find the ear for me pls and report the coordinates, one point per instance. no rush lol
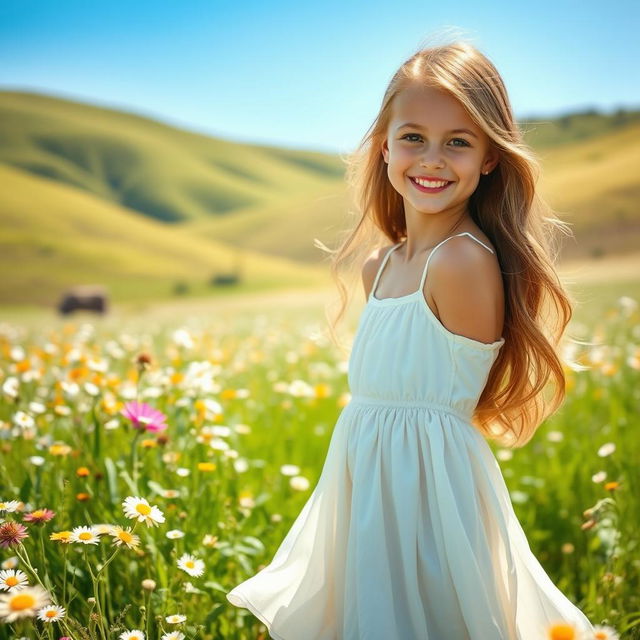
(491, 160)
(384, 147)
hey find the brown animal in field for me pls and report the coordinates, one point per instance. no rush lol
(84, 297)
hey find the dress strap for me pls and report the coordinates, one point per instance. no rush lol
(381, 267)
(426, 266)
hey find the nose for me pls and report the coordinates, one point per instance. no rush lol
(432, 157)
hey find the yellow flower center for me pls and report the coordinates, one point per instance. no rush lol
(38, 513)
(189, 564)
(22, 601)
(11, 581)
(125, 536)
(562, 632)
(51, 613)
(144, 509)
(85, 535)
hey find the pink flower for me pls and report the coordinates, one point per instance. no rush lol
(12, 533)
(144, 417)
(39, 515)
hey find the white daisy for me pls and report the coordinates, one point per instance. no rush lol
(191, 565)
(606, 449)
(173, 635)
(174, 534)
(86, 535)
(140, 509)
(11, 386)
(176, 618)
(23, 420)
(299, 483)
(23, 603)
(51, 613)
(9, 563)
(103, 528)
(134, 634)
(603, 632)
(13, 580)
(289, 470)
(9, 506)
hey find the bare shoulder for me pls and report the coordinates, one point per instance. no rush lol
(370, 267)
(466, 288)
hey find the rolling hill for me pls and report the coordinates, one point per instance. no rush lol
(54, 235)
(97, 195)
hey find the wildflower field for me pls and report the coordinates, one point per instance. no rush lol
(147, 468)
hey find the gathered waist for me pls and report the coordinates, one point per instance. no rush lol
(392, 403)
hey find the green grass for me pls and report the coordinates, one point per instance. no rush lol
(258, 349)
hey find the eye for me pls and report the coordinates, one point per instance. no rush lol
(417, 135)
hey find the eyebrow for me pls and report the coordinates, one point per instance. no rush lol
(412, 125)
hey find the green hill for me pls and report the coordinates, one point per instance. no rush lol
(55, 235)
(96, 195)
(161, 171)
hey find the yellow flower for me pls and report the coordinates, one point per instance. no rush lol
(562, 631)
(611, 486)
(206, 466)
(59, 449)
(120, 537)
(322, 390)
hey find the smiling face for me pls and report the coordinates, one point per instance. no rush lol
(431, 139)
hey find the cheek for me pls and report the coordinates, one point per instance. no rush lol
(469, 163)
(400, 156)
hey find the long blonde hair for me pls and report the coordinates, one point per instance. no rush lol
(508, 209)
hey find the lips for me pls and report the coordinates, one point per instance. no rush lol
(429, 189)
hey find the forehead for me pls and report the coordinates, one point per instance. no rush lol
(430, 107)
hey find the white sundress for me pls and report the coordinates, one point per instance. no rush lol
(409, 533)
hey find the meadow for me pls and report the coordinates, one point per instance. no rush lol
(133, 523)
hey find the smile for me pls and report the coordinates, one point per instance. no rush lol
(427, 186)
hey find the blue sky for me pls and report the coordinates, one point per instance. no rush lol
(308, 74)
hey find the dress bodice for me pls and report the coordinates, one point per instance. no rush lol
(402, 354)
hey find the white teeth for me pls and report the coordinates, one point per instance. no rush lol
(429, 184)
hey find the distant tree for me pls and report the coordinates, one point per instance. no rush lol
(620, 117)
(180, 288)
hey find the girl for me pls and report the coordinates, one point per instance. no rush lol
(409, 533)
